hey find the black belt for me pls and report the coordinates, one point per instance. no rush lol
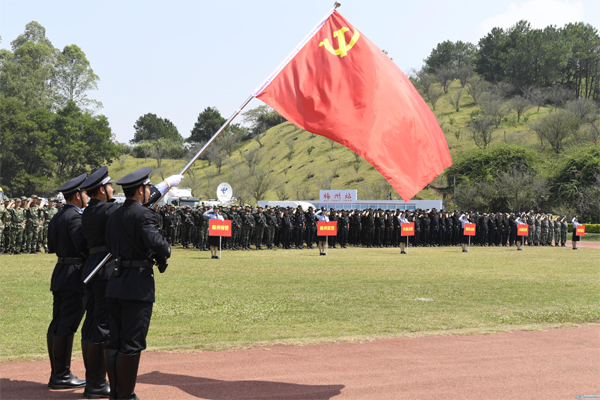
(69, 260)
(135, 263)
(98, 249)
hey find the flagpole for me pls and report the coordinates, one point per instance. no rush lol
(212, 139)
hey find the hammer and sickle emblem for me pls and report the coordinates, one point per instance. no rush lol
(343, 47)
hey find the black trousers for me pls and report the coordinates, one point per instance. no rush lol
(68, 308)
(97, 317)
(129, 323)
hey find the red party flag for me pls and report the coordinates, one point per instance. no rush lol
(341, 86)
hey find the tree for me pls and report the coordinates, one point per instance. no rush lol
(485, 165)
(450, 54)
(556, 128)
(464, 74)
(433, 95)
(482, 129)
(73, 78)
(208, 123)
(444, 76)
(455, 99)
(259, 183)
(520, 104)
(260, 120)
(150, 127)
(536, 96)
(559, 95)
(492, 107)
(520, 190)
(28, 69)
(477, 87)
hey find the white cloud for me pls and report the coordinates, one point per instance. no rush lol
(539, 13)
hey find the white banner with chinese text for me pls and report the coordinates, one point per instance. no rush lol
(337, 196)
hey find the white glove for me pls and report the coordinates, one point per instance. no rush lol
(173, 180)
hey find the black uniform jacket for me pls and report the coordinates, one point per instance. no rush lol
(66, 239)
(140, 224)
(94, 226)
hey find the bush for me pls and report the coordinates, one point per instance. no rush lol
(589, 228)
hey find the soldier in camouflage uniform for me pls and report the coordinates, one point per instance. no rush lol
(50, 211)
(186, 227)
(550, 230)
(557, 231)
(4, 224)
(544, 228)
(259, 227)
(17, 220)
(271, 226)
(32, 225)
(247, 227)
(564, 229)
(236, 228)
(531, 224)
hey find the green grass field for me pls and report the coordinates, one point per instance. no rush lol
(297, 297)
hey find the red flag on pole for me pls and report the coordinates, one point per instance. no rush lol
(338, 84)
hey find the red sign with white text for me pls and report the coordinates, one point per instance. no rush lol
(408, 229)
(219, 228)
(580, 230)
(522, 230)
(327, 228)
(469, 229)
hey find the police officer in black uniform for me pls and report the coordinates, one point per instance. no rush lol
(134, 240)
(94, 334)
(67, 240)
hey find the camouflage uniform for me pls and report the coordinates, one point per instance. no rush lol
(247, 226)
(543, 231)
(259, 229)
(16, 229)
(271, 225)
(531, 234)
(236, 230)
(538, 230)
(49, 212)
(204, 232)
(556, 232)
(32, 224)
(550, 231)
(3, 217)
(564, 229)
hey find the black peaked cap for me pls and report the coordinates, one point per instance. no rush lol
(72, 185)
(96, 179)
(136, 178)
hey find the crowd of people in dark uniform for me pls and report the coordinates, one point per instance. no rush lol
(275, 227)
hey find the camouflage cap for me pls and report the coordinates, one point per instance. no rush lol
(33, 196)
(23, 198)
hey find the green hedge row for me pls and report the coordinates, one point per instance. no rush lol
(589, 228)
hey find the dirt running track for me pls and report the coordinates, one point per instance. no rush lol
(553, 364)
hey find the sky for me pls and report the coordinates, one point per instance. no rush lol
(175, 58)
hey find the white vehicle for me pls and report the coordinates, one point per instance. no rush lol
(179, 197)
(293, 204)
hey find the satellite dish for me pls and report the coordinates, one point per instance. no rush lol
(224, 192)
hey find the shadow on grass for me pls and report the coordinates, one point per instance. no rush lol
(16, 389)
(220, 390)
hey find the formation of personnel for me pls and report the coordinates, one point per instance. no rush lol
(297, 228)
(116, 296)
(24, 224)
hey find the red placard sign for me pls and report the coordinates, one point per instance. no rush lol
(327, 228)
(522, 230)
(469, 229)
(580, 230)
(219, 228)
(408, 229)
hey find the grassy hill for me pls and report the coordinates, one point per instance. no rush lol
(329, 165)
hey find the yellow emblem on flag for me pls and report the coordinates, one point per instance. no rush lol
(343, 47)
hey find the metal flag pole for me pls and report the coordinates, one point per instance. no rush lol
(406, 251)
(95, 271)
(469, 244)
(212, 139)
(183, 171)
(220, 246)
